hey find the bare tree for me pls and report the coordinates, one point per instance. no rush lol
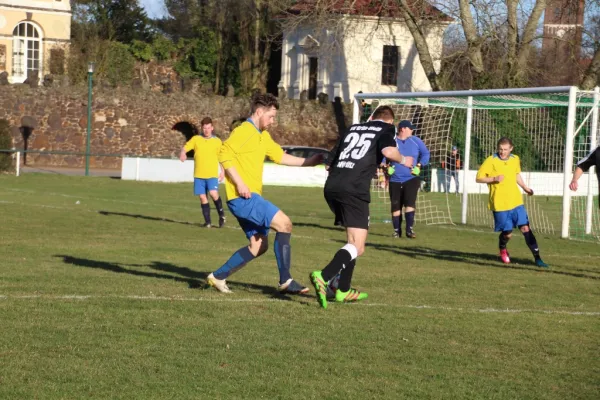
(591, 46)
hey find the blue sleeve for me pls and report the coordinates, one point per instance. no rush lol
(423, 153)
(383, 161)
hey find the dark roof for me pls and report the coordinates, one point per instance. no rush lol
(374, 8)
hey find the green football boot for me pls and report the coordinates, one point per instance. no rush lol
(320, 287)
(349, 296)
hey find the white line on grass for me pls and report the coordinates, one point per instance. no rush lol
(267, 300)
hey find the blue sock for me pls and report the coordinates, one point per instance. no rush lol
(283, 254)
(397, 222)
(206, 212)
(410, 220)
(235, 262)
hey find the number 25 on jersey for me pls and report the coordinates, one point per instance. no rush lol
(357, 145)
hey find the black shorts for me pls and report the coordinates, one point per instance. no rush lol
(349, 211)
(404, 194)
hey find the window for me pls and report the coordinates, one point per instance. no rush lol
(389, 70)
(26, 50)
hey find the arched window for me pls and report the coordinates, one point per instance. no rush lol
(27, 45)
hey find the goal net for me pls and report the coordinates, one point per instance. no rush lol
(551, 129)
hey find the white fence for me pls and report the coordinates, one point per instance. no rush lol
(161, 170)
(542, 183)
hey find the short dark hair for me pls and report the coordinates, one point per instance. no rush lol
(206, 121)
(383, 112)
(505, 140)
(266, 100)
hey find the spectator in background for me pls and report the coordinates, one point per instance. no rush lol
(451, 166)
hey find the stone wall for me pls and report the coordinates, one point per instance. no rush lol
(139, 122)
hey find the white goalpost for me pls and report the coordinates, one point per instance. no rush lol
(551, 128)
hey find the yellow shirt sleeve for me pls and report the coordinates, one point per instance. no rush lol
(518, 166)
(274, 151)
(190, 144)
(486, 168)
(228, 150)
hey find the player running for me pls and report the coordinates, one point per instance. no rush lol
(347, 192)
(502, 173)
(243, 157)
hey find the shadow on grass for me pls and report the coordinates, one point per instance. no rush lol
(482, 259)
(194, 279)
(330, 228)
(146, 217)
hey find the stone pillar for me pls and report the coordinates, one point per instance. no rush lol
(337, 90)
(281, 92)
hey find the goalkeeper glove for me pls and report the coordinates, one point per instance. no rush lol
(391, 170)
(416, 169)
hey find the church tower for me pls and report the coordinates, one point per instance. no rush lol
(561, 46)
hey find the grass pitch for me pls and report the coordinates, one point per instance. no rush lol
(102, 295)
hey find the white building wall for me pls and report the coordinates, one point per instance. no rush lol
(355, 64)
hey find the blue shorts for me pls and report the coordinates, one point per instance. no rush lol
(254, 214)
(510, 219)
(202, 186)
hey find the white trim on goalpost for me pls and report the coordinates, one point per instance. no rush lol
(568, 164)
(460, 93)
(591, 173)
(466, 161)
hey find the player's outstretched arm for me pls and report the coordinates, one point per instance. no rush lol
(523, 186)
(392, 154)
(576, 175)
(293, 161)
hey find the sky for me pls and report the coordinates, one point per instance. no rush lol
(154, 8)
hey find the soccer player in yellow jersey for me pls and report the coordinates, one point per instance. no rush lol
(242, 157)
(502, 173)
(206, 169)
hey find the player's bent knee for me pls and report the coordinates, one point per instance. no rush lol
(359, 250)
(262, 249)
(525, 228)
(282, 223)
(258, 245)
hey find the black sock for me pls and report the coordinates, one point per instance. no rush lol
(283, 255)
(410, 220)
(532, 244)
(219, 207)
(502, 241)
(206, 212)
(346, 276)
(397, 222)
(341, 258)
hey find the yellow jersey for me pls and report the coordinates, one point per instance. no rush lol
(504, 195)
(206, 153)
(245, 150)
